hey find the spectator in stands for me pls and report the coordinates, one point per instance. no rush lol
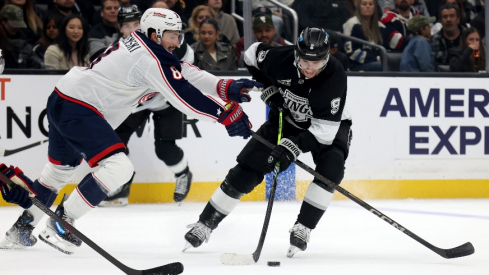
(417, 6)
(71, 48)
(449, 36)
(395, 21)
(263, 31)
(17, 52)
(34, 23)
(470, 56)
(366, 26)
(418, 56)
(66, 7)
(329, 14)
(334, 50)
(104, 33)
(51, 25)
(211, 54)
(479, 22)
(467, 13)
(176, 6)
(125, 3)
(161, 4)
(277, 16)
(226, 22)
(200, 13)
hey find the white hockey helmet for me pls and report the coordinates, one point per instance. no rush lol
(161, 20)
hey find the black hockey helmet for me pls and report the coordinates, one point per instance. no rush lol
(313, 44)
(128, 14)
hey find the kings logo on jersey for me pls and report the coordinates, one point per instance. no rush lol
(261, 56)
(297, 105)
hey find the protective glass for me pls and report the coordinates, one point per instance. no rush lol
(2, 62)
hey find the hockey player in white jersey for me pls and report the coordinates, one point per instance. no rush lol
(168, 124)
(88, 103)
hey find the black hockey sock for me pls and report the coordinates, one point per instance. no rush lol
(211, 217)
(184, 172)
(309, 215)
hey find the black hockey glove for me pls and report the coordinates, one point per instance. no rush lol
(272, 97)
(285, 153)
(236, 90)
(235, 120)
(18, 194)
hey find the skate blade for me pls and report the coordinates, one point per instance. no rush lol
(115, 203)
(6, 244)
(292, 250)
(52, 239)
(187, 246)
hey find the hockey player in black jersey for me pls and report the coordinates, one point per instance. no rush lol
(310, 86)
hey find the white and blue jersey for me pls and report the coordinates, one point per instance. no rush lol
(133, 71)
(89, 103)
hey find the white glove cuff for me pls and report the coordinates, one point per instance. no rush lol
(291, 147)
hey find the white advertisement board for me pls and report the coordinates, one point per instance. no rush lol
(403, 128)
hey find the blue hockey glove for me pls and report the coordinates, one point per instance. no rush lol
(236, 90)
(285, 153)
(17, 195)
(21, 192)
(236, 121)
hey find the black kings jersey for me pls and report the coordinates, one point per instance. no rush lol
(315, 104)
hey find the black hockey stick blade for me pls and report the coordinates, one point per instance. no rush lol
(459, 251)
(169, 269)
(6, 152)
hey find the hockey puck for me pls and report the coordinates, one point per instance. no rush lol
(273, 263)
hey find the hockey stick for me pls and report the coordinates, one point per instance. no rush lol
(459, 251)
(168, 269)
(247, 259)
(5, 152)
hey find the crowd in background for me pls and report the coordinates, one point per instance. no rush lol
(429, 36)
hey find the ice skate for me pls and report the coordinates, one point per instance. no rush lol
(182, 187)
(197, 235)
(20, 236)
(59, 237)
(299, 237)
(117, 198)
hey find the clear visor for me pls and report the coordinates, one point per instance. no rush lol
(130, 26)
(173, 38)
(311, 65)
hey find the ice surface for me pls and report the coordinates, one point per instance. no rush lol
(348, 240)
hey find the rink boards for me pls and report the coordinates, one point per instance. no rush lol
(423, 137)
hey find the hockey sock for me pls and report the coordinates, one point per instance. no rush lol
(315, 203)
(222, 202)
(179, 168)
(44, 195)
(86, 196)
